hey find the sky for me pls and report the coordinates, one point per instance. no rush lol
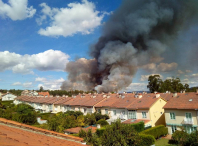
(36, 44)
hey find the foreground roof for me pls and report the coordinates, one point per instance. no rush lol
(14, 136)
(183, 101)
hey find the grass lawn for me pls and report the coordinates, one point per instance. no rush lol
(163, 142)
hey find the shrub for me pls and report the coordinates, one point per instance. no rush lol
(102, 122)
(156, 131)
(92, 139)
(82, 133)
(138, 126)
(100, 132)
(74, 113)
(99, 116)
(146, 140)
(193, 139)
(120, 134)
(180, 137)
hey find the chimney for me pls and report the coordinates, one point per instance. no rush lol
(98, 126)
(157, 95)
(175, 94)
(139, 95)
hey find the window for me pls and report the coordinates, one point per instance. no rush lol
(143, 114)
(68, 108)
(106, 111)
(190, 129)
(172, 115)
(132, 115)
(85, 110)
(173, 128)
(188, 116)
(114, 112)
(99, 111)
(123, 113)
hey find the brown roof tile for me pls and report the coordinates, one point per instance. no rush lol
(110, 99)
(183, 101)
(145, 102)
(44, 93)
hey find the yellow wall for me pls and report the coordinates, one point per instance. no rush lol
(139, 114)
(157, 113)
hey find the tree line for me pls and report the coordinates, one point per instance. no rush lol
(156, 84)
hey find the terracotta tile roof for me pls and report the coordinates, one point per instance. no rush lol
(80, 99)
(124, 101)
(14, 133)
(77, 129)
(110, 99)
(74, 100)
(44, 93)
(93, 100)
(63, 100)
(131, 121)
(183, 101)
(166, 96)
(145, 102)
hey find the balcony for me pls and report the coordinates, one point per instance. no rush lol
(188, 121)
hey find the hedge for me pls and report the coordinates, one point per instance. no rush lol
(156, 131)
(100, 132)
(102, 122)
(138, 126)
(146, 140)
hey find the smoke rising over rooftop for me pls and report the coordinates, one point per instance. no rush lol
(136, 34)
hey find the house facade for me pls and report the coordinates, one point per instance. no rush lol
(8, 97)
(181, 113)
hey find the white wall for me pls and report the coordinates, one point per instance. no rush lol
(8, 97)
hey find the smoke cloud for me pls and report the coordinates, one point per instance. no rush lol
(136, 33)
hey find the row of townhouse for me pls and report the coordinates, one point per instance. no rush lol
(173, 110)
(127, 107)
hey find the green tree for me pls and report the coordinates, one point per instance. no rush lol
(154, 83)
(119, 134)
(41, 88)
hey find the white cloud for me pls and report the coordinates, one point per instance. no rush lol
(180, 72)
(40, 79)
(145, 77)
(16, 84)
(50, 84)
(27, 85)
(75, 18)
(137, 87)
(188, 71)
(162, 67)
(165, 67)
(49, 60)
(16, 9)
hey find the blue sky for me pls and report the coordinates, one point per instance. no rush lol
(35, 46)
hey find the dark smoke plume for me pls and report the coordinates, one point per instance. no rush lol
(137, 33)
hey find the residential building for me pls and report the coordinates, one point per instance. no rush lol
(182, 112)
(8, 97)
(147, 107)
